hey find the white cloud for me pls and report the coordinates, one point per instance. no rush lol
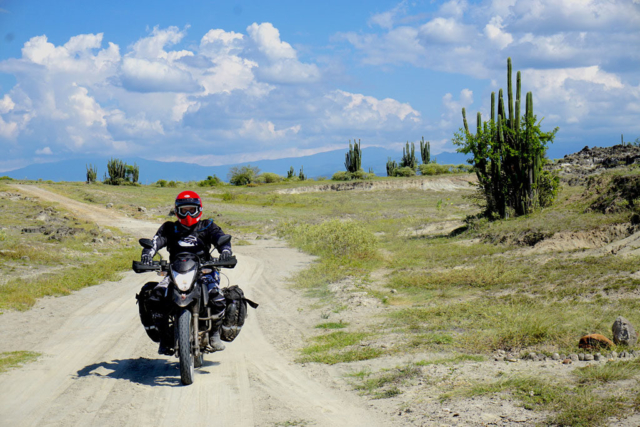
(233, 93)
(265, 130)
(446, 30)
(44, 151)
(6, 104)
(387, 19)
(493, 31)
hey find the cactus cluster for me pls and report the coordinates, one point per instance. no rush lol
(290, 172)
(353, 158)
(409, 157)
(508, 154)
(121, 173)
(425, 151)
(391, 167)
(301, 175)
(92, 173)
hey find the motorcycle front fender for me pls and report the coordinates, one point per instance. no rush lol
(183, 299)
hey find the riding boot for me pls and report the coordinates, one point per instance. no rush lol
(214, 341)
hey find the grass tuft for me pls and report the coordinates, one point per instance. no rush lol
(14, 359)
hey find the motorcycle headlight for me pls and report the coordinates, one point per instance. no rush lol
(183, 281)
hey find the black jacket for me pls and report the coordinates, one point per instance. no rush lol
(178, 238)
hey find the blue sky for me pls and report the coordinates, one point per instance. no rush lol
(215, 82)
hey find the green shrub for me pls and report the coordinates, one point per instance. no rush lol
(161, 183)
(349, 176)
(243, 175)
(5, 178)
(228, 196)
(405, 171)
(211, 181)
(172, 184)
(268, 178)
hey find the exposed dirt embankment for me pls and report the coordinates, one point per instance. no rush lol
(448, 183)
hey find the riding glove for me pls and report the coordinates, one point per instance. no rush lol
(146, 259)
(225, 255)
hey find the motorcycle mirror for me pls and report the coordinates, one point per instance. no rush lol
(146, 243)
(223, 240)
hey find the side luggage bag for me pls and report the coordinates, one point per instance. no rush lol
(235, 314)
(146, 315)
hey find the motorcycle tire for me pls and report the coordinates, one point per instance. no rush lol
(183, 330)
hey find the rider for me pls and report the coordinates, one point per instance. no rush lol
(189, 234)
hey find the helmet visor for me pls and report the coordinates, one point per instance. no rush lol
(188, 210)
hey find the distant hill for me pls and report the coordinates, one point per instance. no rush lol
(321, 164)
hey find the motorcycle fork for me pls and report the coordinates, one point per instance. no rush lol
(196, 334)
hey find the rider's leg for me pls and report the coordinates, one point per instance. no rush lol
(218, 304)
(160, 317)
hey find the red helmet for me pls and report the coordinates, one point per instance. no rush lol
(188, 208)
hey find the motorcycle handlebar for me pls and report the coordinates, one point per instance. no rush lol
(140, 267)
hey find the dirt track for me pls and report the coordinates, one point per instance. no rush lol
(99, 368)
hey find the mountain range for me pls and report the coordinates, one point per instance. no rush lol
(317, 165)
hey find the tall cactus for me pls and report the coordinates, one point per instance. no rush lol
(92, 173)
(353, 158)
(391, 167)
(409, 157)
(508, 153)
(301, 175)
(290, 172)
(425, 151)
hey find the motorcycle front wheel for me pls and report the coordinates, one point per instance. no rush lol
(183, 330)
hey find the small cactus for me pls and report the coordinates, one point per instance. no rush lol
(92, 173)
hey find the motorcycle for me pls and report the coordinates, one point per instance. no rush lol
(189, 314)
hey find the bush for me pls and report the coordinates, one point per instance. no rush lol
(161, 183)
(268, 178)
(5, 178)
(405, 171)
(172, 184)
(211, 181)
(227, 196)
(349, 176)
(243, 175)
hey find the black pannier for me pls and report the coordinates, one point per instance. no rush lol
(235, 313)
(146, 314)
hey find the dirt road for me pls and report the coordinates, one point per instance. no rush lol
(99, 368)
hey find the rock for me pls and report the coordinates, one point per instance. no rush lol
(532, 356)
(42, 217)
(562, 357)
(393, 291)
(614, 355)
(594, 341)
(142, 209)
(623, 355)
(580, 356)
(624, 332)
(109, 205)
(489, 418)
(499, 358)
(597, 357)
(588, 357)
(574, 357)
(25, 258)
(567, 361)
(555, 356)
(98, 240)
(511, 359)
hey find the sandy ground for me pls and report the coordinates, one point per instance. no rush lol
(98, 367)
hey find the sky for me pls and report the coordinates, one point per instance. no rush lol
(220, 82)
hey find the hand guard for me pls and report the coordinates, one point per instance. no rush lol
(225, 255)
(146, 259)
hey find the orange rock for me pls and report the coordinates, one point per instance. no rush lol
(595, 341)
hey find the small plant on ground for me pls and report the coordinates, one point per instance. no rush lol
(211, 181)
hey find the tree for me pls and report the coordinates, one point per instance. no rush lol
(243, 175)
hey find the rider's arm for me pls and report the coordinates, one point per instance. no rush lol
(215, 233)
(159, 240)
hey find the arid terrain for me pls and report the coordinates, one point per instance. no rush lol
(390, 304)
